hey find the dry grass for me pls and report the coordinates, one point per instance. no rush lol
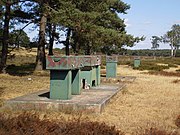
(13, 86)
(29, 124)
(152, 101)
(155, 131)
(177, 121)
(165, 73)
(176, 81)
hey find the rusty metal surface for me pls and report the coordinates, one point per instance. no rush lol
(113, 58)
(63, 62)
(89, 60)
(71, 62)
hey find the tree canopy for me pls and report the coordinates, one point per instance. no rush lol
(94, 23)
(155, 42)
(90, 26)
(172, 37)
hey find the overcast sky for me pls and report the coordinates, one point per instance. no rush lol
(151, 17)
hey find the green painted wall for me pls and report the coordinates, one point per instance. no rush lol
(98, 75)
(86, 73)
(76, 82)
(111, 69)
(60, 84)
(137, 62)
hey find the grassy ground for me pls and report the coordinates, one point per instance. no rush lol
(150, 101)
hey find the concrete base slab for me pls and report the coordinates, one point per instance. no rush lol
(90, 101)
(118, 79)
(127, 78)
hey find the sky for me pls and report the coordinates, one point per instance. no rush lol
(147, 18)
(151, 18)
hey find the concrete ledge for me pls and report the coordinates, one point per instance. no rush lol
(90, 101)
(118, 79)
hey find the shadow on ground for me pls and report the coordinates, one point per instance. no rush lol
(22, 70)
(1, 92)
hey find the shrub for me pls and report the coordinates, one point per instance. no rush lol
(177, 121)
(155, 131)
(172, 65)
(24, 69)
(103, 67)
(164, 73)
(176, 81)
(158, 64)
(1, 92)
(31, 124)
(151, 66)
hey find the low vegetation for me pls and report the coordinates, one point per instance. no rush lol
(177, 121)
(1, 92)
(155, 131)
(29, 124)
(151, 64)
(164, 73)
(144, 102)
(150, 52)
(176, 81)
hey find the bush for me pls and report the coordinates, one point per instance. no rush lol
(1, 92)
(164, 73)
(176, 81)
(103, 67)
(24, 69)
(31, 124)
(155, 131)
(151, 66)
(177, 121)
(158, 64)
(125, 63)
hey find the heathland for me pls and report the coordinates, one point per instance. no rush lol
(150, 103)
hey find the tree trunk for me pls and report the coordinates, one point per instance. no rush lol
(75, 46)
(5, 39)
(41, 57)
(175, 50)
(172, 51)
(67, 41)
(88, 50)
(154, 54)
(52, 31)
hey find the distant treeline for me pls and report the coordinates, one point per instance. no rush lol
(148, 52)
(127, 52)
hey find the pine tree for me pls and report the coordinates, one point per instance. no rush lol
(13, 13)
(94, 23)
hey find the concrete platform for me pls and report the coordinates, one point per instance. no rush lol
(119, 79)
(126, 78)
(90, 101)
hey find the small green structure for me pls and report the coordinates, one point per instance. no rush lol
(68, 74)
(137, 62)
(111, 66)
(90, 73)
(64, 76)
